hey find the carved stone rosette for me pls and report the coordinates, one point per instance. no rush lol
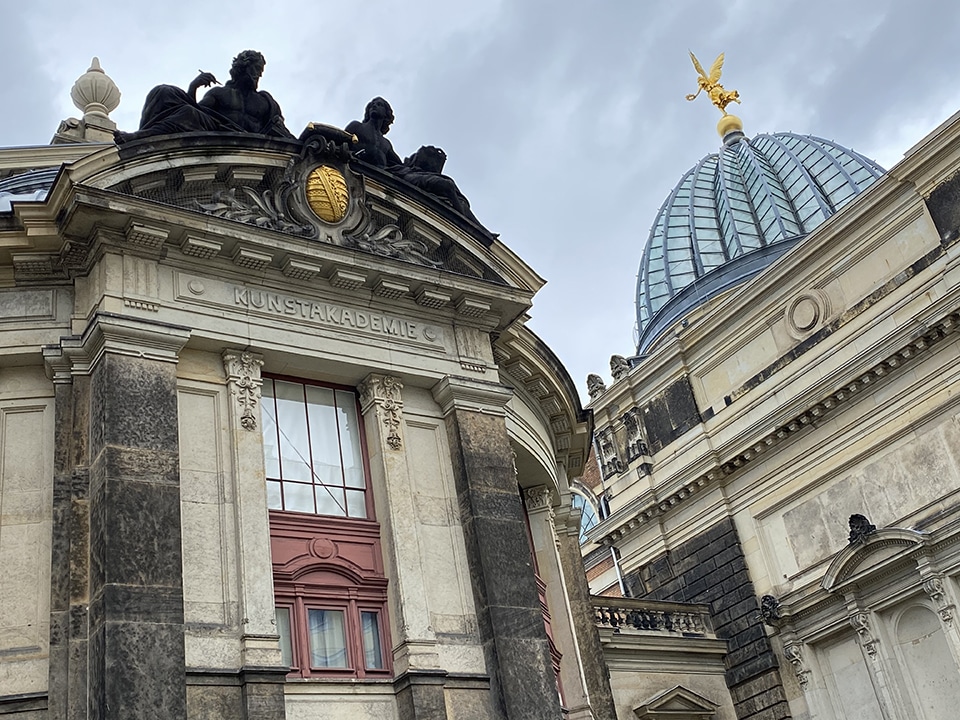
(384, 392)
(793, 652)
(244, 381)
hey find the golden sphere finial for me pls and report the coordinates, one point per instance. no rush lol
(728, 124)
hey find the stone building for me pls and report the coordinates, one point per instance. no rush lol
(275, 441)
(781, 453)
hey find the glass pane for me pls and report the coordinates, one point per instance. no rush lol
(292, 419)
(330, 501)
(372, 654)
(274, 499)
(356, 507)
(328, 644)
(323, 436)
(298, 497)
(283, 629)
(271, 453)
(350, 439)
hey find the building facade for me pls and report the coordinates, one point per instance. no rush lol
(276, 442)
(781, 450)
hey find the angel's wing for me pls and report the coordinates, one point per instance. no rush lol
(697, 65)
(716, 69)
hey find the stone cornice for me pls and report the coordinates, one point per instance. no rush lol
(114, 334)
(629, 518)
(460, 393)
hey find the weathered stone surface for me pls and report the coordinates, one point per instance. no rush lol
(596, 677)
(420, 696)
(214, 702)
(523, 683)
(710, 568)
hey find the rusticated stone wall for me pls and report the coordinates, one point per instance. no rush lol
(711, 569)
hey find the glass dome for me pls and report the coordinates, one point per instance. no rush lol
(735, 212)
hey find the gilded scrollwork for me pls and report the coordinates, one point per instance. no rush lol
(244, 381)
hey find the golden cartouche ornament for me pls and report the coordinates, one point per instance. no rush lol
(327, 193)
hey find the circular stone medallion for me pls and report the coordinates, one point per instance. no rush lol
(327, 193)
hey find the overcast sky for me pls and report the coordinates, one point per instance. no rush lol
(564, 122)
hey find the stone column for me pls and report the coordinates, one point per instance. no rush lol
(68, 648)
(136, 646)
(593, 666)
(419, 680)
(263, 674)
(498, 552)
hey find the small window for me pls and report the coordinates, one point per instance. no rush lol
(313, 449)
(588, 517)
(321, 639)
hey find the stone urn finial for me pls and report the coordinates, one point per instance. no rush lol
(95, 94)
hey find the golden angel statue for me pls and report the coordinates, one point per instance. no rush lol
(710, 84)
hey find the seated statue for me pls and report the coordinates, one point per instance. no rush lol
(237, 106)
(372, 147)
(424, 170)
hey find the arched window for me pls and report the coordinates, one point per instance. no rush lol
(588, 517)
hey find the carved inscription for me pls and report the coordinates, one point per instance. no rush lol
(333, 315)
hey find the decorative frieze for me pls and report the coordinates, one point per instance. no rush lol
(636, 445)
(384, 392)
(244, 381)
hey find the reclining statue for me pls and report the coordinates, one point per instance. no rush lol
(237, 106)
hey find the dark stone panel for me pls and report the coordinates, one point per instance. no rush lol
(711, 569)
(214, 702)
(944, 207)
(143, 604)
(25, 706)
(506, 562)
(142, 528)
(670, 414)
(263, 701)
(523, 684)
(529, 688)
(122, 389)
(145, 664)
(420, 696)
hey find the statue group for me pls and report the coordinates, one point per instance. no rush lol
(240, 106)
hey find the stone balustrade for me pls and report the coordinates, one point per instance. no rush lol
(628, 615)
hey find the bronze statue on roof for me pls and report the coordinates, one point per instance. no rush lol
(237, 106)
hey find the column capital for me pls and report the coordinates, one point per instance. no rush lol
(459, 393)
(538, 498)
(383, 393)
(242, 369)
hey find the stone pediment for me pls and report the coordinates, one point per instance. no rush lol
(308, 190)
(678, 703)
(877, 551)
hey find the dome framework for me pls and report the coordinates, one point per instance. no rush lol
(735, 212)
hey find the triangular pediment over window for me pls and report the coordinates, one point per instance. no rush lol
(678, 703)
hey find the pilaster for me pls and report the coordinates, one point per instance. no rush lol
(263, 673)
(117, 509)
(508, 607)
(416, 660)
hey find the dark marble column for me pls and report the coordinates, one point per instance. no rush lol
(125, 586)
(498, 551)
